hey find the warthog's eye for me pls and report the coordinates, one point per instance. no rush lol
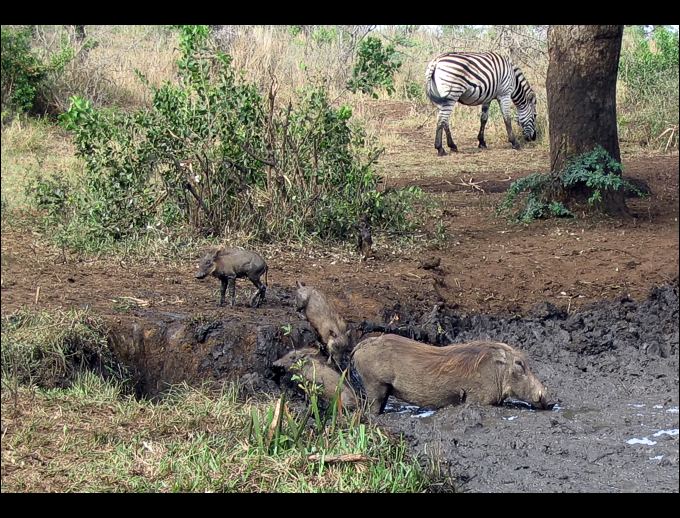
(519, 365)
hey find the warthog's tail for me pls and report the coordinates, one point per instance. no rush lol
(266, 279)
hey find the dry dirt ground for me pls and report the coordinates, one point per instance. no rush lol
(575, 294)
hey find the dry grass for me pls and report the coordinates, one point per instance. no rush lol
(30, 148)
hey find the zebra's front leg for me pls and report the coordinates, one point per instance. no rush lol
(483, 118)
(505, 109)
(449, 139)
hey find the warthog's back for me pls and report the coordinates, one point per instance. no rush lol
(242, 262)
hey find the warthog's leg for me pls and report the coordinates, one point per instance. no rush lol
(377, 394)
(259, 294)
(330, 347)
(232, 290)
(223, 289)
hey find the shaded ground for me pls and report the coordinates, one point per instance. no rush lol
(596, 362)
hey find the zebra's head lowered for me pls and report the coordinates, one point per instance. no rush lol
(525, 100)
(527, 117)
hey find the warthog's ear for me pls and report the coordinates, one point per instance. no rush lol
(299, 284)
(216, 253)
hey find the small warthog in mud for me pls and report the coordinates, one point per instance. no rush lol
(313, 369)
(229, 264)
(325, 319)
(425, 375)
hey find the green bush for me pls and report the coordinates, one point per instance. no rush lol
(34, 79)
(374, 68)
(215, 154)
(596, 172)
(22, 72)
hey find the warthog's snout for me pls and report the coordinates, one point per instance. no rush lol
(542, 402)
(201, 275)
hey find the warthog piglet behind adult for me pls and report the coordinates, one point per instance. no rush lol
(229, 264)
(324, 318)
(425, 375)
(315, 370)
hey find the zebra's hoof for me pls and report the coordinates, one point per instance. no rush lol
(482, 145)
(441, 152)
(454, 149)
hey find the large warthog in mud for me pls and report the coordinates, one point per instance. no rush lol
(229, 264)
(324, 318)
(315, 370)
(425, 375)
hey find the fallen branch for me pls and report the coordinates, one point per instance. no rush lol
(471, 183)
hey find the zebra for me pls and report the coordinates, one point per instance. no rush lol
(474, 78)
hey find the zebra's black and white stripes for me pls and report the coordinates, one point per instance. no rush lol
(474, 78)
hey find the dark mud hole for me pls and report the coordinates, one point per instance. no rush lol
(613, 368)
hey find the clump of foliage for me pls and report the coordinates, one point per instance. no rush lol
(374, 68)
(593, 173)
(22, 71)
(34, 78)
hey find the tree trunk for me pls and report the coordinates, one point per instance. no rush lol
(581, 88)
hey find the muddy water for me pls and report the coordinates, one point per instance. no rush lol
(612, 368)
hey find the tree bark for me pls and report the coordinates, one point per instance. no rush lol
(581, 89)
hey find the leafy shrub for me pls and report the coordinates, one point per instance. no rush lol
(214, 153)
(596, 172)
(374, 68)
(22, 72)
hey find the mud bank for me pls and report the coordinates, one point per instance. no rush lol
(612, 367)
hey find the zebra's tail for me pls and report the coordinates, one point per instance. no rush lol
(430, 84)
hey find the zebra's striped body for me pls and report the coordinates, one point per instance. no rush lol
(474, 78)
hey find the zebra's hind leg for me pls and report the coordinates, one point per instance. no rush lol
(449, 139)
(483, 118)
(438, 140)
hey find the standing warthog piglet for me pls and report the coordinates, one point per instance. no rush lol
(229, 264)
(425, 375)
(313, 369)
(324, 318)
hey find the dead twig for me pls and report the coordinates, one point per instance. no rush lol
(347, 457)
(473, 184)
(140, 302)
